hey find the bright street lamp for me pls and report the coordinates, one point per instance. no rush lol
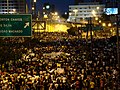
(109, 24)
(45, 16)
(98, 8)
(33, 8)
(56, 13)
(70, 14)
(99, 21)
(96, 18)
(34, 0)
(103, 24)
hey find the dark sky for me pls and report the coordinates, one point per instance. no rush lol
(60, 5)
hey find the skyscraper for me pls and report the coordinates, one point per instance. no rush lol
(12, 6)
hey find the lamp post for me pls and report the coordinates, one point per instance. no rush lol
(117, 35)
(33, 8)
(91, 36)
(70, 17)
(75, 11)
(117, 32)
(90, 27)
(116, 2)
(7, 6)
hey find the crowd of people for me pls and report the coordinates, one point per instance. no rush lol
(62, 62)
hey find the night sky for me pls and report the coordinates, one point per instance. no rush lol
(60, 5)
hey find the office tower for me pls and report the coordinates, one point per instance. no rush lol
(12, 6)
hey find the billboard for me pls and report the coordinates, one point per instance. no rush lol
(15, 25)
(111, 11)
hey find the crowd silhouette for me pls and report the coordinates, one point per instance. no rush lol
(58, 61)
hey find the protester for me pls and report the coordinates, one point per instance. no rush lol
(58, 61)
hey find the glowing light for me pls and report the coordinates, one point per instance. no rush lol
(56, 13)
(14, 10)
(48, 6)
(65, 13)
(98, 8)
(109, 24)
(33, 8)
(75, 10)
(99, 21)
(94, 12)
(70, 14)
(96, 18)
(45, 16)
(103, 24)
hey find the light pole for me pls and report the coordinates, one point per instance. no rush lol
(33, 9)
(7, 6)
(69, 19)
(93, 12)
(118, 58)
(75, 11)
(117, 35)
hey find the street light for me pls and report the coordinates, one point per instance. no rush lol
(94, 14)
(96, 18)
(56, 13)
(33, 8)
(103, 24)
(109, 24)
(70, 14)
(45, 16)
(98, 8)
(99, 21)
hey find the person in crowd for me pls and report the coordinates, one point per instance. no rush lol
(58, 61)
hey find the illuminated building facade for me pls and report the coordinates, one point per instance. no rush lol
(84, 10)
(12, 6)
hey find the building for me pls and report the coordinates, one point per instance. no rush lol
(12, 6)
(85, 10)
